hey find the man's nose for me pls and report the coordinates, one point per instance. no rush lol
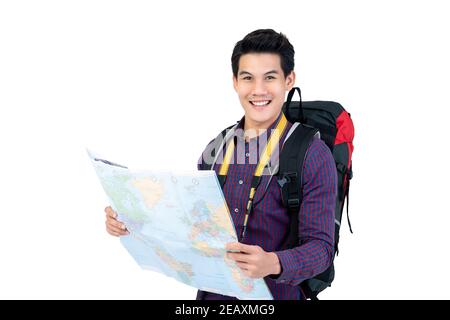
(259, 88)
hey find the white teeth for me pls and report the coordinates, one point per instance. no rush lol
(260, 103)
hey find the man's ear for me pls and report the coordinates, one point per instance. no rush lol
(290, 80)
(234, 83)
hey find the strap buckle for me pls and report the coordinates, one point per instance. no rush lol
(290, 176)
(293, 203)
(287, 178)
(293, 200)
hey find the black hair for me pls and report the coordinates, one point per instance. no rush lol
(265, 41)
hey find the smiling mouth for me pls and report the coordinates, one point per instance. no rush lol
(260, 103)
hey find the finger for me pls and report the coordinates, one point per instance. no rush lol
(116, 223)
(110, 212)
(247, 248)
(240, 247)
(242, 266)
(119, 226)
(239, 257)
(233, 247)
(117, 233)
(116, 229)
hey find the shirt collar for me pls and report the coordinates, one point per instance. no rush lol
(239, 132)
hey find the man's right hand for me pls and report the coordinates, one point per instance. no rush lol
(113, 226)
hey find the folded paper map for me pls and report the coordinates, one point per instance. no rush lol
(179, 225)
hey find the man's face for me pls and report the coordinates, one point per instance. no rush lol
(261, 87)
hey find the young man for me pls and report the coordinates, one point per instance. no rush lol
(263, 64)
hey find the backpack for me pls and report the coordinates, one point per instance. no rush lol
(333, 124)
(336, 129)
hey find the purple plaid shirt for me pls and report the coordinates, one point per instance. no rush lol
(268, 223)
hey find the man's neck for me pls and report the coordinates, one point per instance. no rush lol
(253, 130)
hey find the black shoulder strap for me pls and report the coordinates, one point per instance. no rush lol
(216, 145)
(290, 179)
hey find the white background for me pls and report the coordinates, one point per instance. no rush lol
(118, 75)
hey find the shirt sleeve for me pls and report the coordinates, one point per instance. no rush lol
(316, 219)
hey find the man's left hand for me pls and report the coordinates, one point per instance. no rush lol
(253, 260)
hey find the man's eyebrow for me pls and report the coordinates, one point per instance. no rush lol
(248, 73)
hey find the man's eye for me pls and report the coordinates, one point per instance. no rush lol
(247, 78)
(270, 78)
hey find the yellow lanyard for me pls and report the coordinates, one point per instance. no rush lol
(263, 161)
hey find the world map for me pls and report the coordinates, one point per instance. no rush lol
(179, 225)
